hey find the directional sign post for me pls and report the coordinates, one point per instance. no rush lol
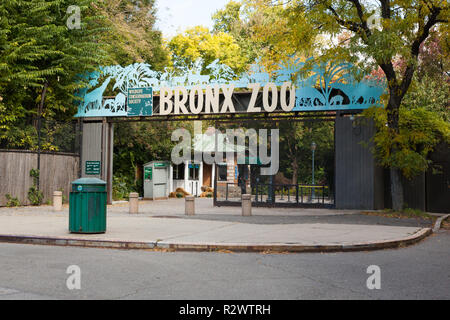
(140, 102)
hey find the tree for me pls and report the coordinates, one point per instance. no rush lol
(39, 59)
(136, 144)
(402, 29)
(131, 37)
(423, 114)
(198, 43)
(234, 20)
(295, 150)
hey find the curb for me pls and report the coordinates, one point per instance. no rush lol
(438, 223)
(198, 247)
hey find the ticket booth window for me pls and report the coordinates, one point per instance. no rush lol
(178, 172)
(194, 169)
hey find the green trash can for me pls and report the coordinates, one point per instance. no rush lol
(87, 206)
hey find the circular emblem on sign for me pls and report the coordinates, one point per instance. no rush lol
(80, 188)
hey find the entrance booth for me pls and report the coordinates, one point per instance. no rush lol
(194, 177)
(156, 180)
(189, 176)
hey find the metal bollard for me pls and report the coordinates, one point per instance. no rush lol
(246, 205)
(57, 201)
(189, 206)
(134, 204)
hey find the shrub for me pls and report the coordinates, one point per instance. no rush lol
(123, 185)
(12, 201)
(34, 195)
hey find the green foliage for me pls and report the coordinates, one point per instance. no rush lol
(405, 213)
(34, 173)
(198, 43)
(131, 36)
(344, 31)
(420, 130)
(296, 155)
(430, 93)
(121, 187)
(423, 122)
(138, 143)
(234, 19)
(64, 197)
(12, 201)
(39, 59)
(34, 195)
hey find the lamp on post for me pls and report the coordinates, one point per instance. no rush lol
(313, 149)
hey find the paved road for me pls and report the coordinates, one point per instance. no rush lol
(36, 272)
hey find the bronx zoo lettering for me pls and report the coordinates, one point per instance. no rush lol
(207, 101)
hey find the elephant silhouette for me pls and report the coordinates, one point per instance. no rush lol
(337, 100)
(308, 97)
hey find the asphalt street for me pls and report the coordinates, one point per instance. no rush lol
(39, 272)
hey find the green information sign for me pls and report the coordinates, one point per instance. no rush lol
(148, 174)
(140, 102)
(160, 165)
(93, 167)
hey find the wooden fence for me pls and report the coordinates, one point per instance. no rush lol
(58, 170)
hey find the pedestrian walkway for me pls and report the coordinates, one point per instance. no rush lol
(163, 225)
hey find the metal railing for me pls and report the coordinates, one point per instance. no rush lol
(292, 193)
(277, 194)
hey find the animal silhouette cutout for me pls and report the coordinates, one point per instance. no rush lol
(93, 99)
(308, 97)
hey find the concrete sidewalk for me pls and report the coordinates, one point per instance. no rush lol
(175, 207)
(174, 231)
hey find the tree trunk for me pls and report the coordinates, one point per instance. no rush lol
(40, 110)
(395, 174)
(294, 171)
(43, 94)
(396, 189)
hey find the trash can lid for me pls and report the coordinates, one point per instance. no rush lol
(88, 181)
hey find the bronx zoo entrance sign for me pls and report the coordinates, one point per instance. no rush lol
(326, 88)
(116, 93)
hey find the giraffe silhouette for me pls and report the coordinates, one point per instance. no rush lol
(93, 99)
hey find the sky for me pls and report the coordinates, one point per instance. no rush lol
(177, 15)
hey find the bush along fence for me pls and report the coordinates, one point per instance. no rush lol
(19, 176)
